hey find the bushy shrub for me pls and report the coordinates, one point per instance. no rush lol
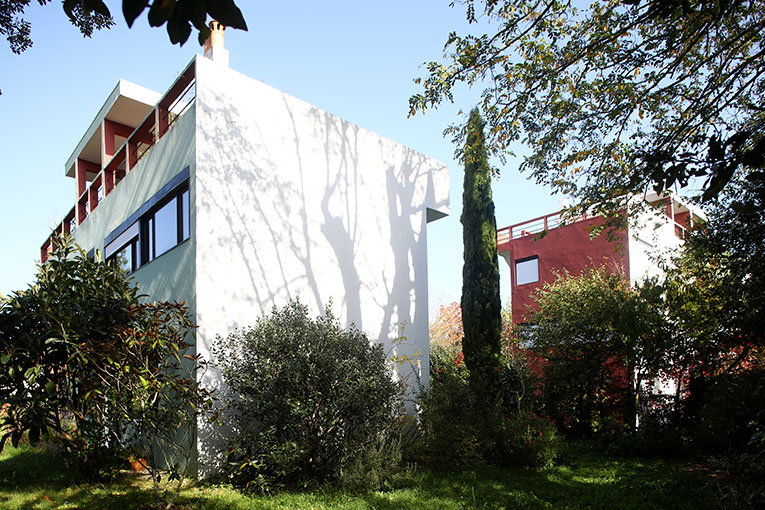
(526, 439)
(307, 396)
(448, 416)
(373, 467)
(653, 438)
(459, 431)
(732, 403)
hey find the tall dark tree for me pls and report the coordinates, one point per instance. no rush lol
(481, 307)
(716, 292)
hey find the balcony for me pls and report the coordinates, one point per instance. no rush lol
(680, 215)
(120, 136)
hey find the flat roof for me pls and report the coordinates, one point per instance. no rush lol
(128, 104)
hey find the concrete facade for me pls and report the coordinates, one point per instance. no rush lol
(285, 201)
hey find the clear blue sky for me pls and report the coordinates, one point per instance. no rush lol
(354, 59)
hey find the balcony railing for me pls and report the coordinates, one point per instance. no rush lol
(157, 123)
(531, 227)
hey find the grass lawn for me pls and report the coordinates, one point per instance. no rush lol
(33, 479)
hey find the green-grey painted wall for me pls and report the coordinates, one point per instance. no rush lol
(171, 275)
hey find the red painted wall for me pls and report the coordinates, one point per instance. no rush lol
(568, 247)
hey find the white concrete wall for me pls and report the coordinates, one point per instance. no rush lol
(293, 202)
(651, 237)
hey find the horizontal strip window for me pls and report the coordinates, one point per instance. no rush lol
(161, 227)
(181, 178)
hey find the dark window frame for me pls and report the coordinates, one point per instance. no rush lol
(148, 227)
(143, 243)
(520, 261)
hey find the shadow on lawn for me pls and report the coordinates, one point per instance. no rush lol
(593, 482)
(36, 478)
(26, 467)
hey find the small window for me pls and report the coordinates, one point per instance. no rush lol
(127, 256)
(124, 250)
(527, 270)
(185, 215)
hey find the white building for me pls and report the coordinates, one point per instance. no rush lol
(235, 197)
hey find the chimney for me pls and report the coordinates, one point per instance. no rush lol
(214, 49)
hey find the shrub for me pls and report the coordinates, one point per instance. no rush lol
(306, 395)
(654, 438)
(526, 439)
(459, 432)
(87, 365)
(452, 435)
(733, 401)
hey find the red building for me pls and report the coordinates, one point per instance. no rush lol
(538, 248)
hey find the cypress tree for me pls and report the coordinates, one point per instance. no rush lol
(481, 308)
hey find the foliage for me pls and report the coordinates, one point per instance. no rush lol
(375, 466)
(459, 432)
(601, 341)
(86, 15)
(526, 439)
(734, 405)
(89, 366)
(452, 429)
(46, 333)
(307, 397)
(615, 97)
(481, 307)
(90, 15)
(716, 293)
(446, 329)
(148, 388)
(653, 438)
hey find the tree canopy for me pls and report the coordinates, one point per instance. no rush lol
(615, 98)
(89, 15)
(715, 289)
(602, 341)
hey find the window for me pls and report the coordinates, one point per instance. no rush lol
(158, 226)
(127, 257)
(124, 250)
(166, 225)
(527, 270)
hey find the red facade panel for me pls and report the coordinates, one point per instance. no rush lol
(567, 247)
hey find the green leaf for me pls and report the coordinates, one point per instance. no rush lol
(98, 6)
(226, 12)
(34, 436)
(160, 12)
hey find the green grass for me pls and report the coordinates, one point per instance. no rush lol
(33, 479)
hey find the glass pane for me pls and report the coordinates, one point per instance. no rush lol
(185, 213)
(527, 271)
(124, 258)
(166, 227)
(150, 236)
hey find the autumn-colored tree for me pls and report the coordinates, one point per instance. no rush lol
(614, 97)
